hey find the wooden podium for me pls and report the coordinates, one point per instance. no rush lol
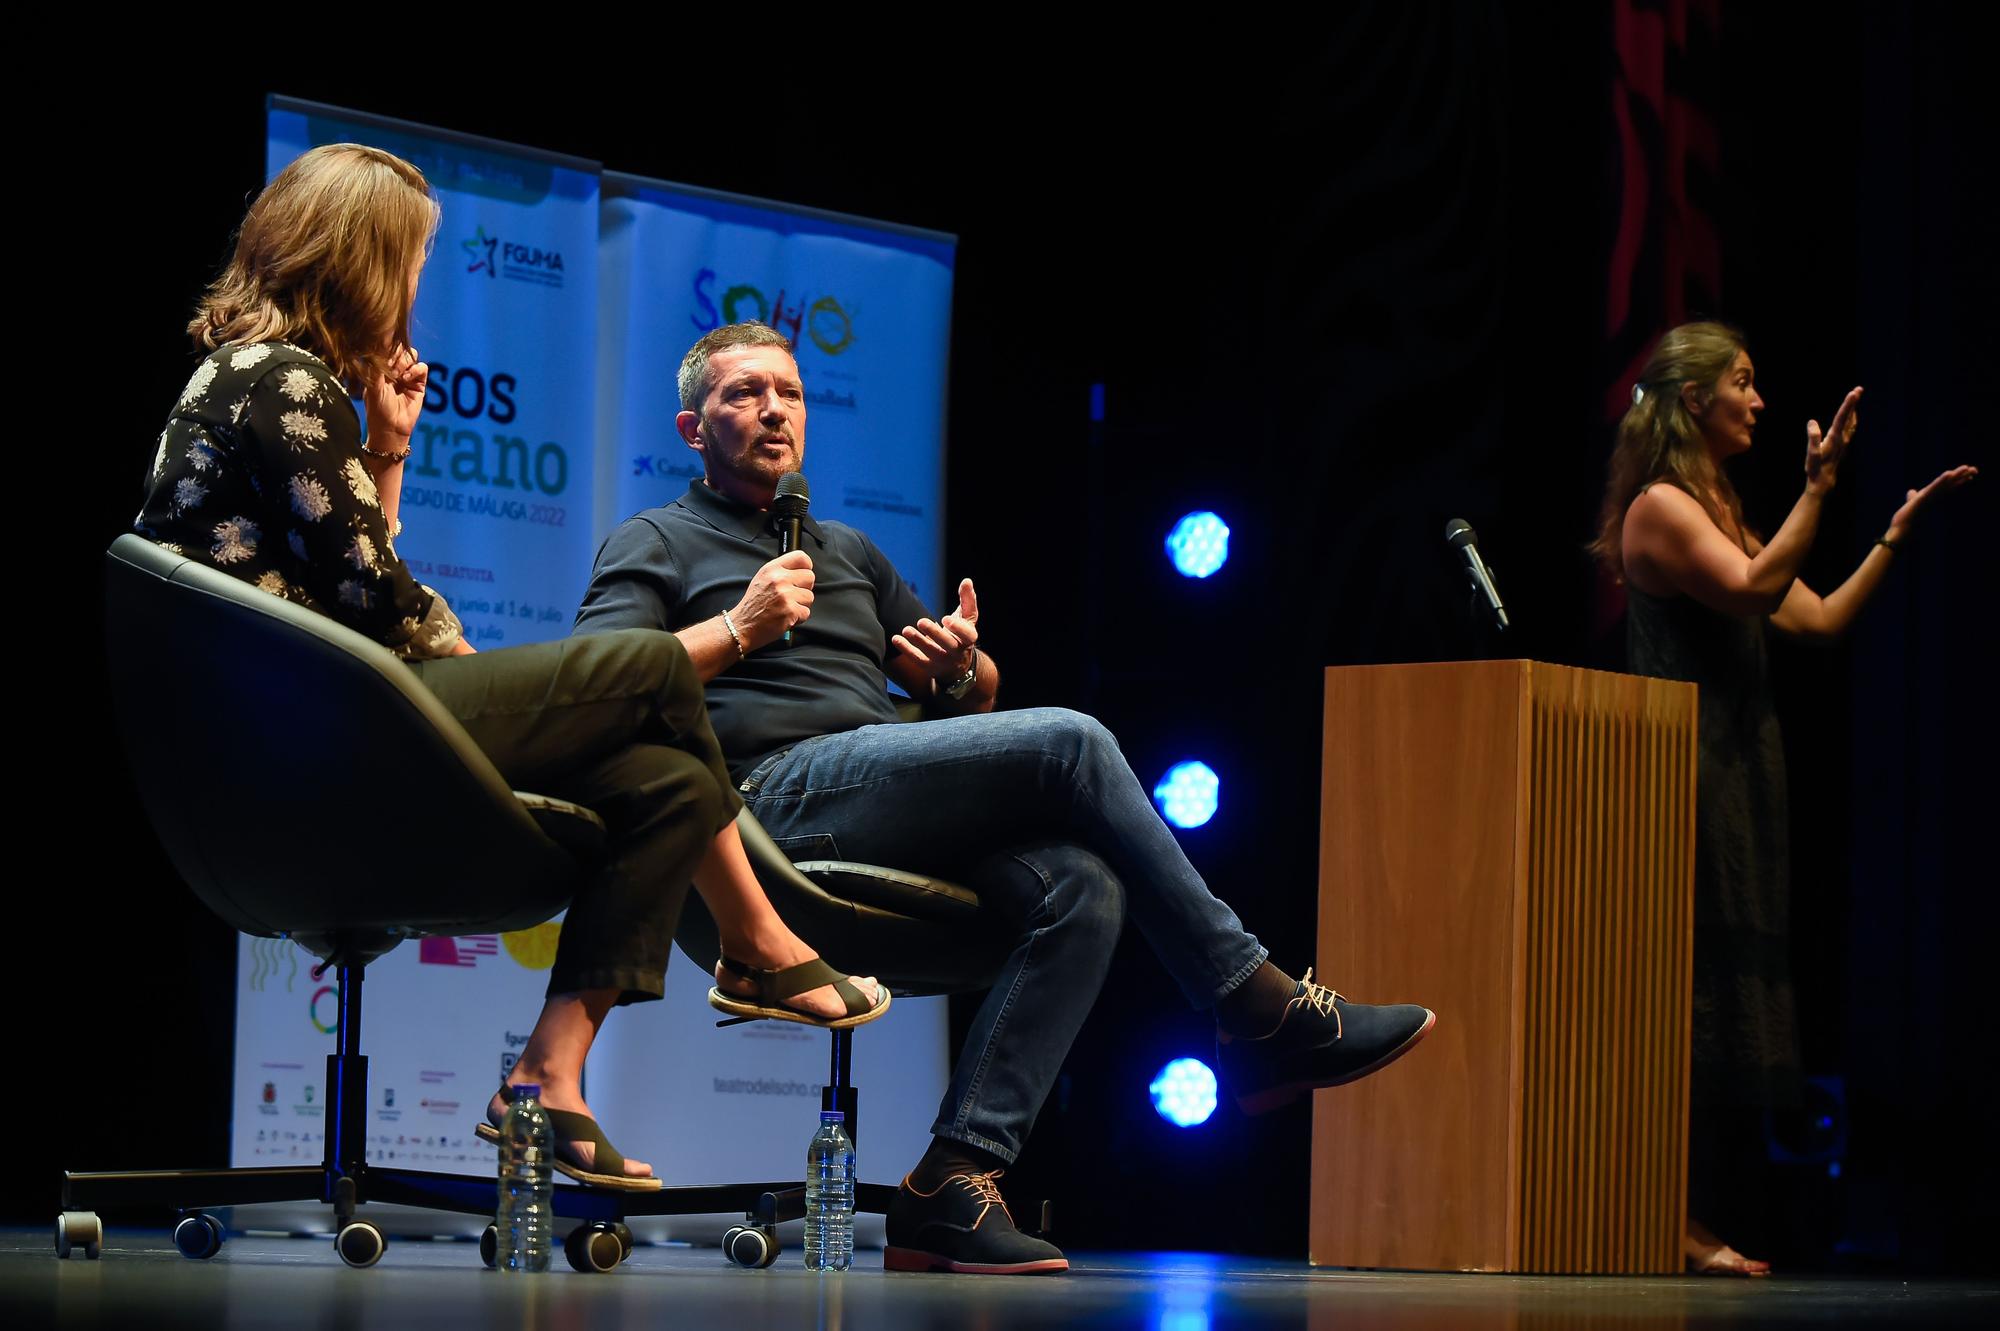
(1511, 844)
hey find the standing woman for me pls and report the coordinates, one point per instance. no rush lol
(262, 472)
(1702, 587)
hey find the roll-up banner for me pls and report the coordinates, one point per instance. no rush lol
(550, 349)
(867, 306)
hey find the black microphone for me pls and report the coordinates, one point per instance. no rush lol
(788, 510)
(1459, 534)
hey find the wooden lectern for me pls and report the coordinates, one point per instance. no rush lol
(1512, 844)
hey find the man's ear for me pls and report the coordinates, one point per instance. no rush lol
(688, 426)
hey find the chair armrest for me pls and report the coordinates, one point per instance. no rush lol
(915, 895)
(576, 829)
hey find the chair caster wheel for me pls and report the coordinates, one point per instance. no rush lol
(360, 1244)
(489, 1246)
(753, 1246)
(624, 1233)
(594, 1247)
(79, 1230)
(198, 1236)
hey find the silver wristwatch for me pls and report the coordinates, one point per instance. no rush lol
(961, 686)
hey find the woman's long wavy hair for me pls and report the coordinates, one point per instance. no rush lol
(323, 261)
(1660, 442)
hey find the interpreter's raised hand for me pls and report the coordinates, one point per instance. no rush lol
(944, 650)
(395, 401)
(1824, 451)
(1914, 500)
(779, 597)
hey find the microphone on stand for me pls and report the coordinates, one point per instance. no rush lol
(1459, 535)
(788, 510)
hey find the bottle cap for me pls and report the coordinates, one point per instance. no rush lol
(528, 1090)
(832, 1116)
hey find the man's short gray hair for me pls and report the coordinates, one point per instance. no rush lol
(693, 379)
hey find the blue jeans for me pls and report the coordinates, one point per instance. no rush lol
(1037, 811)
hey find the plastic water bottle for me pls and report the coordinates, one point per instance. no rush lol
(830, 1195)
(527, 1184)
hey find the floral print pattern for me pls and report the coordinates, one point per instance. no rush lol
(264, 439)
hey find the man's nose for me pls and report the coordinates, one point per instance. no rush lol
(772, 408)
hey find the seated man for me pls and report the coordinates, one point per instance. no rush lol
(1037, 810)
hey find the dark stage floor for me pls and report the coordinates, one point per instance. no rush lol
(257, 1281)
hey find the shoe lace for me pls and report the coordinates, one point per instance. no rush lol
(1321, 999)
(986, 1190)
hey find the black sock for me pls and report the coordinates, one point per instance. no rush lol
(945, 1158)
(1256, 1007)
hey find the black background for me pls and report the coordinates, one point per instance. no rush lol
(1340, 283)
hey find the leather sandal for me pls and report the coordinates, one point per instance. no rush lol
(773, 987)
(570, 1128)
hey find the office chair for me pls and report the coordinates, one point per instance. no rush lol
(234, 706)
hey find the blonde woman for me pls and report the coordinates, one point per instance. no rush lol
(1702, 588)
(263, 473)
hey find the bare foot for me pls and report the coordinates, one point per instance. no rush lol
(789, 950)
(1709, 1256)
(557, 1095)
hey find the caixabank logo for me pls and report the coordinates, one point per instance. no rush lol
(498, 257)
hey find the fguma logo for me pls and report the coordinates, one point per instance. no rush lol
(499, 258)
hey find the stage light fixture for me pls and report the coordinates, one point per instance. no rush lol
(1184, 1092)
(1199, 544)
(1188, 794)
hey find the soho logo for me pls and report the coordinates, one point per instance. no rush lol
(824, 320)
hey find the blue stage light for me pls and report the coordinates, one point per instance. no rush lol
(1199, 544)
(1184, 1092)
(1188, 794)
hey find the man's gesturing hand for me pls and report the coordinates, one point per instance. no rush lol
(779, 597)
(945, 651)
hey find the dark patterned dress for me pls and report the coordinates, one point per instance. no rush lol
(1746, 1046)
(259, 474)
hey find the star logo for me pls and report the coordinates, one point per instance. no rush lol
(482, 248)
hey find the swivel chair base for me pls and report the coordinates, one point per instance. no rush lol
(345, 1180)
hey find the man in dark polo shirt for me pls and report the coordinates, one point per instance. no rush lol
(1037, 810)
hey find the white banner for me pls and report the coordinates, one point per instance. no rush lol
(543, 426)
(868, 308)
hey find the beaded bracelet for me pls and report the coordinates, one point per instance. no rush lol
(734, 636)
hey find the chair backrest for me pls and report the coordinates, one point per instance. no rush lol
(300, 777)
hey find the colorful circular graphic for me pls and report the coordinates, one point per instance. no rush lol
(828, 326)
(732, 310)
(534, 948)
(312, 1009)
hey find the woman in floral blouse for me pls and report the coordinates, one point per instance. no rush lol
(263, 472)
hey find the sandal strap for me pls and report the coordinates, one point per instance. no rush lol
(570, 1127)
(776, 986)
